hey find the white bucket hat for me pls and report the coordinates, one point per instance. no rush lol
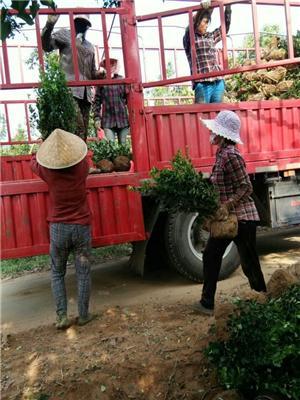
(61, 149)
(84, 17)
(226, 124)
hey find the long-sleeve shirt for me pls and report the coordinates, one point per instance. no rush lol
(206, 51)
(67, 190)
(61, 40)
(110, 105)
(231, 180)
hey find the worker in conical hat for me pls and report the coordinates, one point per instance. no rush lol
(61, 162)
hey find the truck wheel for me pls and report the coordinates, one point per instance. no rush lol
(185, 242)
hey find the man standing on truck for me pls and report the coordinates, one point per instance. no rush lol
(207, 90)
(61, 162)
(110, 106)
(61, 40)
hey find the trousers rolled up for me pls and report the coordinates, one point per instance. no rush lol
(212, 261)
(64, 239)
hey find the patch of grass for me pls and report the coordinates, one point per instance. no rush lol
(19, 266)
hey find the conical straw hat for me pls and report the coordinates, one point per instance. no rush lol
(61, 149)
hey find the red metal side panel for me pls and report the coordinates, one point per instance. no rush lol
(15, 168)
(117, 215)
(270, 132)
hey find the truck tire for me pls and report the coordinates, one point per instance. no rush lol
(185, 242)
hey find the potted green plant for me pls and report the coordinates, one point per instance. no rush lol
(55, 106)
(110, 156)
(122, 160)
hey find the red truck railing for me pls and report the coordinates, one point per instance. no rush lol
(156, 133)
(158, 17)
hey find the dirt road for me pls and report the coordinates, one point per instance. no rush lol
(146, 343)
(27, 301)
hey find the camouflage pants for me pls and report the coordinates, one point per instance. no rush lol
(83, 113)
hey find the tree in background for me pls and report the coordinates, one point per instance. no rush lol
(26, 12)
(16, 149)
(3, 127)
(170, 92)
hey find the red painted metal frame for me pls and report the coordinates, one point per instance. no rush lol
(226, 71)
(117, 215)
(275, 125)
(157, 133)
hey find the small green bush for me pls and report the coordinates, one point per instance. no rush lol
(55, 106)
(109, 150)
(181, 188)
(263, 350)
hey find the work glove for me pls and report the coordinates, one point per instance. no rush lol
(205, 3)
(97, 124)
(52, 19)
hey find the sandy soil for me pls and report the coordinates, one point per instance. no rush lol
(145, 343)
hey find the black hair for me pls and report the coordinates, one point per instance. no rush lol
(228, 141)
(81, 25)
(201, 14)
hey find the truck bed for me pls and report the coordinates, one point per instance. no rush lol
(271, 136)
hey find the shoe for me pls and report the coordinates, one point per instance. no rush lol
(85, 320)
(62, 322)
(200, 309)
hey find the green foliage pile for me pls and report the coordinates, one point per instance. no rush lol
(181, 188)
(55, 104)
(109, 150)
(262, 353)
(9, 22)
(294, 75)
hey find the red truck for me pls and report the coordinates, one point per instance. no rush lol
(270, 132)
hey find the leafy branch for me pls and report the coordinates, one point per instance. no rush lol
(23, 10)
(181, 188)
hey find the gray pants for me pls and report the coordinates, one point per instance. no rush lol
(65, 238)
(110, 134)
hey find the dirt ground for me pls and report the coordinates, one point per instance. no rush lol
(150, 349)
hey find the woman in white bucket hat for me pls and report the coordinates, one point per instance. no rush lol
(233, 184)
(61, 162)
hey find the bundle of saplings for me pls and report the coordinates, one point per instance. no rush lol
(181, 188)
(55, 105)
(109, 156)
(262, 352)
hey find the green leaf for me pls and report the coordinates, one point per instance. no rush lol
(6, 29)
(27, 18)
(34, 8)
(49, 3)
(18, 5)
